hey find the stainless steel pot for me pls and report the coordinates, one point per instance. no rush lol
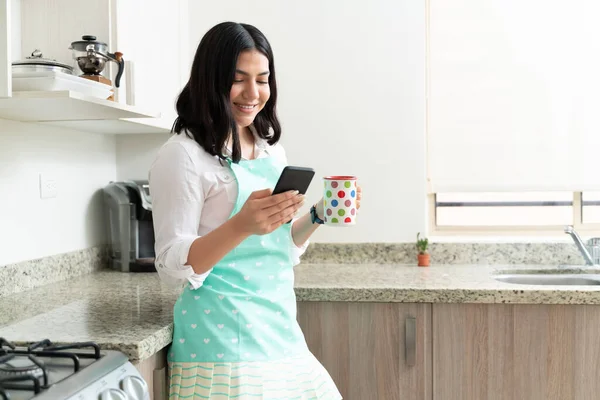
(91, 65)
(37, 63)
(92, 55)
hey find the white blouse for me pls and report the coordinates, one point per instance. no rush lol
(192, 194)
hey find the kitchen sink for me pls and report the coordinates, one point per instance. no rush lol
(550, 279)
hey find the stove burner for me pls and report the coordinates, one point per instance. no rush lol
(18, 367)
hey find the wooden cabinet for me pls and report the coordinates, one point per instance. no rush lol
(154, 372)
(463, 351)
(365, 347)
(515, 351)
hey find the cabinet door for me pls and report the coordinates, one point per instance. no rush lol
(365, 349)
(154, 373)
(507, 352)
(158, 46)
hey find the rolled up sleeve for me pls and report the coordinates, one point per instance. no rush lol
(177, 201)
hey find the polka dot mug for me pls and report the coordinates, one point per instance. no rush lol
(339, 200)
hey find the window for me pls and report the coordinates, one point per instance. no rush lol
(514, 211)
(590, 207)
(504, 209)
(512, 131)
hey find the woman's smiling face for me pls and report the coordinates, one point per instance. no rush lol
(250, 90)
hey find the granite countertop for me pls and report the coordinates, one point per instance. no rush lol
(133, 312)
(437, 284)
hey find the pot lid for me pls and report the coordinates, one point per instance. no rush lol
(37, 59)
(86, 40)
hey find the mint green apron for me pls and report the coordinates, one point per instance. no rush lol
(246, 308)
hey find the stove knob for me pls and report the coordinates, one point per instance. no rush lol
(135, 387)
(113, 394)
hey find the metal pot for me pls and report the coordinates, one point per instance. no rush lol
(91, 65)
(37, 63)
(92, 55)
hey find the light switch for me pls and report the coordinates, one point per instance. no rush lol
(48, 186)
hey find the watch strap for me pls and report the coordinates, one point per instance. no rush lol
(314, 217)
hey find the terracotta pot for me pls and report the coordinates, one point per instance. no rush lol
(423, 260)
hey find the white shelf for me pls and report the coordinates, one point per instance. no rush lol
(64, 106)
(73, 110)
(117, 126)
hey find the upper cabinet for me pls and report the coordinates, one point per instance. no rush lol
(153, 34)
(150, 38)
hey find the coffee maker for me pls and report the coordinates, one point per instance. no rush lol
(130, 231)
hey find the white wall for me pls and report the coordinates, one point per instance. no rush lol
(135, 154)
(352, 99)
(351, 78)
(82, 164)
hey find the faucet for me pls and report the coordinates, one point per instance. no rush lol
(586, 254)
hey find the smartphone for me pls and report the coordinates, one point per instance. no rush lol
(294, 178)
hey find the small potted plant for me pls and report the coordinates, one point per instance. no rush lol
(423, 256)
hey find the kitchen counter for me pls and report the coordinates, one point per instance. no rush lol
(437, 284)
(133, 312)
(119, 311)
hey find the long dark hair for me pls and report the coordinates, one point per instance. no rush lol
(203, 106)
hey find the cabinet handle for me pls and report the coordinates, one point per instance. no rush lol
(410, 340)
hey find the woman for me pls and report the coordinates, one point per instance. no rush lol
(220, 232)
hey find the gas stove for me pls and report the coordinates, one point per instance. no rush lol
(77, 371)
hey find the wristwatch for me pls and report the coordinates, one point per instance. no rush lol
(314, 218)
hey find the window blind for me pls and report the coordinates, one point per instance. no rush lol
(513, 95)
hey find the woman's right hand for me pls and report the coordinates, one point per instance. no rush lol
(262, 213)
